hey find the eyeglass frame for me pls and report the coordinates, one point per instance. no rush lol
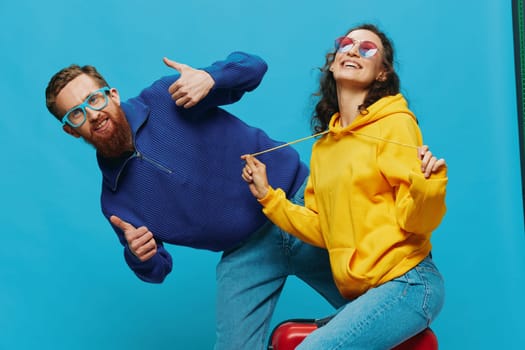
(84, 105)
(339, 47)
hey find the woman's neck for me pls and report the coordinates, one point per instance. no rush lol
(349, 101)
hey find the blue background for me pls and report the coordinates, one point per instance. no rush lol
(63, 281)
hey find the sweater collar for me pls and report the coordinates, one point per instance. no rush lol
(136, 113)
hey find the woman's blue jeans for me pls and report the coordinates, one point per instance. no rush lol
(250, 279)
(384, 316)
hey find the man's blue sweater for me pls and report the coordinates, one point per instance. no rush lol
(184, 179)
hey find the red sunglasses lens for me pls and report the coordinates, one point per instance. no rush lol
(343, 41)
(367, 45)
(367, 49)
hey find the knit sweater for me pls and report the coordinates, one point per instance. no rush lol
(183, 180)
(367, 200)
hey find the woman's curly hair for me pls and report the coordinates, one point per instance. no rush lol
(327, 94)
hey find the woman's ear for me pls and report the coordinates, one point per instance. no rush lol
(381, 77)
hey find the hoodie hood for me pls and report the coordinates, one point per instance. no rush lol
(382, 108)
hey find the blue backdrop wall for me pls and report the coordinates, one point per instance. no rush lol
(63, 281)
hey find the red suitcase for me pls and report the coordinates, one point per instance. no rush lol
(290, 333)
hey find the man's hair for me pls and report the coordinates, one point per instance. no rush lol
(63, 77)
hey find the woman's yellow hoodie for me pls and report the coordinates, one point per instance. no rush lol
(367, 200)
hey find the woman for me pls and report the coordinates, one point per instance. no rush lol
(371, 199)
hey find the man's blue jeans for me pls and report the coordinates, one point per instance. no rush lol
(384, 316)
(250, 279)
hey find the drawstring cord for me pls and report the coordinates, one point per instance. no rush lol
(325, 132)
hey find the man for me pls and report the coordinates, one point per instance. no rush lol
(170, 174)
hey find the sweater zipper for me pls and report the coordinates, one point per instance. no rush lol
(153, 162)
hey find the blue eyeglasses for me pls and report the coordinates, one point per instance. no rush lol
(366, 48)
(96, 101)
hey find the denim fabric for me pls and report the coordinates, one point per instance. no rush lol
(251, 277)
(384, 316)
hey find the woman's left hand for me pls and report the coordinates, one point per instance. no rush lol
(429, 163)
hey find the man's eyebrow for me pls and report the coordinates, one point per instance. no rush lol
(89, 94)
(83, 99)
(76, 106)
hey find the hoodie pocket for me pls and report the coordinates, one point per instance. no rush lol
(350, 283)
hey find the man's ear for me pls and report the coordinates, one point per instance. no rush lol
(113, 94)
(68, 129)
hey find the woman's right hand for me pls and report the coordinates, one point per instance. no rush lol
(254, 173)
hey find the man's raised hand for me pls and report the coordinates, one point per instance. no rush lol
(192, 86)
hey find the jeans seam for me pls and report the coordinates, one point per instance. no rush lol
(267, 322)
(426, 296)
(369, 320)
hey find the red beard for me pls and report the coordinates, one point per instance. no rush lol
(120, 141)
